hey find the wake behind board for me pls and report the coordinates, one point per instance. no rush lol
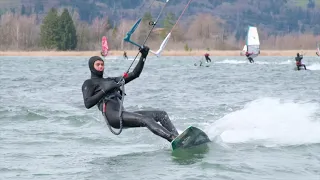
(190, 137)
(203, 64)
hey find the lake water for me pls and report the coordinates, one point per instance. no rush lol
(263, 119)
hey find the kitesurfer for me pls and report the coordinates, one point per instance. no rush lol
(104, 53)
(125, 55)
(107, 95)
(207, 57)
(249, 58)
(298, 62)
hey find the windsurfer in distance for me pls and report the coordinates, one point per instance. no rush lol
(102, 54)
(298, 62)
(249, 58)
(207, 57)
(106, 93)
(125, 55)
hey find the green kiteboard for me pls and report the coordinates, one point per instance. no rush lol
(190, 137)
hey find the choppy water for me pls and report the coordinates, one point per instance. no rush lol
(264, 120)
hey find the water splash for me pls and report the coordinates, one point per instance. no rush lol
(314, 66)
(227, 61)
(270, 122)
(232, 61)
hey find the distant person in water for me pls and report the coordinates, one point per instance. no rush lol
(103, 54)
(200, 63)
(207, 57)
(125, 55)
(249, 58)
(299, 63)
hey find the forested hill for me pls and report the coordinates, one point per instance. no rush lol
(220, 21)
(274, 16)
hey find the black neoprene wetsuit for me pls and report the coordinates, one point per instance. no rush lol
(250, 59)
(298, 62)
(125, 55)
(93, 94)
(207, 58)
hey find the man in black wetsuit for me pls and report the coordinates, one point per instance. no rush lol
(298, 62)
(249, 58)
(125, 55)
(207, 57)
(106, 94)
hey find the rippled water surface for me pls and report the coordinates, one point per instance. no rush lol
(263, 118)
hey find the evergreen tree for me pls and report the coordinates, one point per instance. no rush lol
(23, 10)
(109, 25)
(168, 23)
(114, 32)
(147, 17)
(13, 10)
(67, 32)
(311, 4)
(49, 30)
(38, 7)
(28, 11)
(144, 26)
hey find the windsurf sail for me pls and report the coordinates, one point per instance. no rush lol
(253, 42)
(244, 50)
(318, 49)
(104, 46)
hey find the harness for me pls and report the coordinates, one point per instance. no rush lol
(298, 61)
(120, 98)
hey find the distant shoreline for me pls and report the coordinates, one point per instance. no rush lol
(164, 53)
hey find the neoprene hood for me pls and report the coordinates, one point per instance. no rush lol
(94, 72)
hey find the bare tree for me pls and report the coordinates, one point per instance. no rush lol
(203, 31)
(206, 30)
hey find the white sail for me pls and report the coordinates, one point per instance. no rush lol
(253, 42)
(244, 50)
(318, 49)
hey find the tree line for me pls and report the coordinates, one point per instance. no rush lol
(62, 30)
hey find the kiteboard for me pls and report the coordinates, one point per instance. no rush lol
(190, 137)
(252, 45)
